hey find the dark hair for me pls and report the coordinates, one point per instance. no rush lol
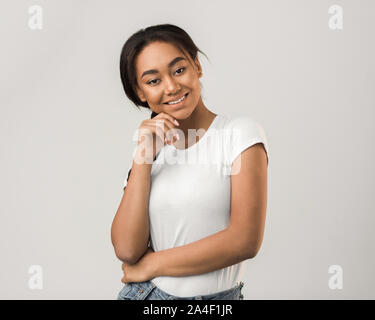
(134, 45)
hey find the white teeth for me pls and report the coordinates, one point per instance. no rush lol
(177, 101)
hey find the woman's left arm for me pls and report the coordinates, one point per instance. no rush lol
(211, 253)
(240, 241)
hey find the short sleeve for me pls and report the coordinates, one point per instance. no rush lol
(245, 132)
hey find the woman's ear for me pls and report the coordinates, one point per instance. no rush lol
(198, 67)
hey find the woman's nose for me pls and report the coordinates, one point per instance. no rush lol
(171, 86)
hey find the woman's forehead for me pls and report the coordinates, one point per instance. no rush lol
(158, 54)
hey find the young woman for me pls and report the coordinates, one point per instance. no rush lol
(185, 227)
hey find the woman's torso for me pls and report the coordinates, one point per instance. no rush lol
(190, 200)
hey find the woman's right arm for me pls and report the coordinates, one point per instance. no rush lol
(130, 227)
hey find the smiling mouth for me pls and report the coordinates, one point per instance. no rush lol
(178, 100)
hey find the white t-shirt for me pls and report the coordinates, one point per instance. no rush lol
(190, 198)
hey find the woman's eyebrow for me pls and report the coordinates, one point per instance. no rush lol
(170, 64)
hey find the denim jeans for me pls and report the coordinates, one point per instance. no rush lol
(149, 291)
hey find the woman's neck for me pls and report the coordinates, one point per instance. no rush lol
(200, 118)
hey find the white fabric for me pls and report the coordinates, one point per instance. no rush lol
(190, 198)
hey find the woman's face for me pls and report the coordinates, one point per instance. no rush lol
(164, 74)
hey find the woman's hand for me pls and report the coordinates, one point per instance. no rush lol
(143, 270)
(156, 132)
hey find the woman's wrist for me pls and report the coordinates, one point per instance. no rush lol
(143, 156)
(156, 265)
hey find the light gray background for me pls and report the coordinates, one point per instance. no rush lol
(67, 128)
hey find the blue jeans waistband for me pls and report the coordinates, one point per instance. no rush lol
(141, 290)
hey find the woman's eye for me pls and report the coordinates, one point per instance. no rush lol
(151, 81)
(182, 68)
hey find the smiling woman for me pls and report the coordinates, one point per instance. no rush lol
(183, 230)
(145, 68)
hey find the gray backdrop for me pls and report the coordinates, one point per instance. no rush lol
(67, 129)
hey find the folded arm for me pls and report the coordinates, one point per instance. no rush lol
(214, 252)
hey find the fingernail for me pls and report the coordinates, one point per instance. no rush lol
(177, 137)
(176, 122)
